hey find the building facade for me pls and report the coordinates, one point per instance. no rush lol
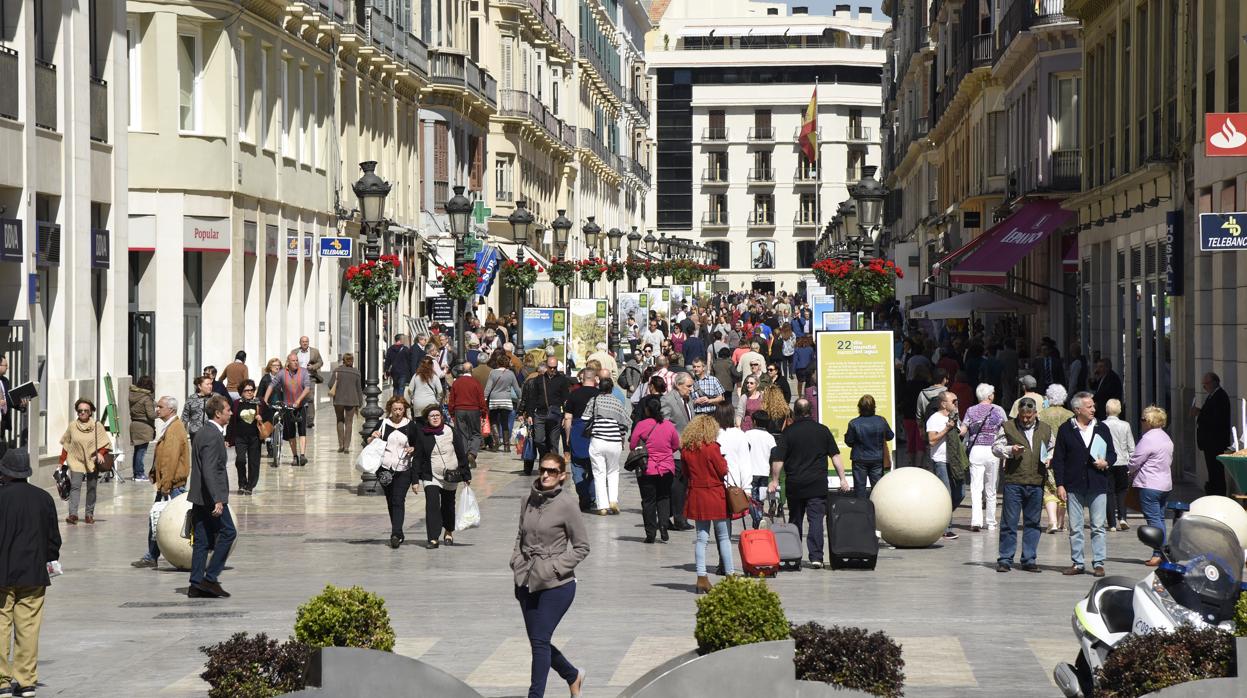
(733, 82)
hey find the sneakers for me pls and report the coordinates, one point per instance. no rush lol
(816, 564)
(25, 692)
(1002, 567)
(140, 563)
(6, 689)
(950, 535)
(139, 478)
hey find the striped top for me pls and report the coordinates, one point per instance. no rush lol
(606, 419)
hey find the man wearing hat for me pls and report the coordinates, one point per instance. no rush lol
(30, 538)
(1029, 390)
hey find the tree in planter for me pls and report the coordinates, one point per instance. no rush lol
(1142, 664)
(849, 658)
(254, 667)
(345, 618)
(739, 611)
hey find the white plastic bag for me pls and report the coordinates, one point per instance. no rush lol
(369, 460)
(467, 513)
(154, 514)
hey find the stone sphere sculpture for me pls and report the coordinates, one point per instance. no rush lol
(176, 549)
(1225, 510)
(912, 507)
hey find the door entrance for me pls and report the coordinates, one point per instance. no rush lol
(764, 286)
(192, 331)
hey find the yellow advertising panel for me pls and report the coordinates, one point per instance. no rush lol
(850, 365)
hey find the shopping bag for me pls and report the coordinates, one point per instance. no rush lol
(485, 428)
(370, 458)
(467, 513)
(154, 514)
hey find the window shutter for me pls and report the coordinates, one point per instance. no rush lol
(508, 61)
(441, 166)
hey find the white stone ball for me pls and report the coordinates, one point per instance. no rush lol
(912, 507)
(176, 549)
(1225, 510)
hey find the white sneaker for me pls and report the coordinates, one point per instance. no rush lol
(991, 527)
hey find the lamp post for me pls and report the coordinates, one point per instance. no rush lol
(371, 191)
(868, 195)
(614, 237)
(459, 210)
(634, 247)
(521, 220)
(591, 230)
(664, 249)
(561, 226)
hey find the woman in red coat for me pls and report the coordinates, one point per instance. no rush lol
(706, 502)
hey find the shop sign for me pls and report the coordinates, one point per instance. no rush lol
(292, 244)
(100, 249)
(309, 241)
(10, 240)
(205, 234)
(336, 247)
(1226, 135)
(442, 309)
(971, 219)
(1222, 231)
(1173, 253)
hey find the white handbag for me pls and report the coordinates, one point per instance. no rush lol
(369, 460)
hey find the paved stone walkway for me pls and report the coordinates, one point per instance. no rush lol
(112, 630)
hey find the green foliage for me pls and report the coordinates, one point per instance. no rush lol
(345, 618)
(739, 611)
(849, 658)
(254, 667)
(1143, 664)
(1240, 616)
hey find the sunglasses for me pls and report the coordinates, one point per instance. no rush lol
(84, 411)
(552, 472)
(772, 370)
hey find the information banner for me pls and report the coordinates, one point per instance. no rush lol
(680, 295)
(632, 305)
(660, 302)
(821, 305)
(850, 365)
(442, 309)
(589, 326)
(545, 328)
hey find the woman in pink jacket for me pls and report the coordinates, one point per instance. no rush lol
(1151, 467)
(661, 442)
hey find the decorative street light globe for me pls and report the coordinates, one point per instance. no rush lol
(459, 210)
(868, 195)
(634, 242)
(562, 226)
(591, 230)
(521, 220)
(614, 236)
(651, 242)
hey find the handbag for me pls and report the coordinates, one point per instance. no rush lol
(639, 456)
(109, 460)
(265, 429)
(61, 476)
(486, 429)
(737, 501)
(460, 474)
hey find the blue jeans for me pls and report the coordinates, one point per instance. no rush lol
(1077, 503)
(1153, 504)
(862, 471)
(542, 612)
(954, 487)
(153, 550)
(758, 498)
(722, 534)
(1026, 500)
(215, 532)
(582, 469)
(139, 451)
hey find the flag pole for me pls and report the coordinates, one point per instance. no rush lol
(818, 188)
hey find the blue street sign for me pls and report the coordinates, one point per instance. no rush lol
(1222, 231)
(336, 247)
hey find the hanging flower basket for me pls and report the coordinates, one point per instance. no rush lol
(635, 268)
(373, 282)
(615, 271)
(460, 284)
(520, 275)
(685, 271)
(591, 269)
(562, 272)
(859, 286)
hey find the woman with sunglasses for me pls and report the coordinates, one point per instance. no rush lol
(244, 433)
(83, 447)
(748, 401)
(439, 450)
(550, 544)
(773, 378)
(395, 474)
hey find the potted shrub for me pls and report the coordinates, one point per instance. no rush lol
(849, 658)
(345, 618)
(739, 611)
(254, 666)
(1148, 663)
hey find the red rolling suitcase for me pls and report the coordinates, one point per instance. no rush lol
(758, 553)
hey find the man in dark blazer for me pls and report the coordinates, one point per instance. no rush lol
(209, 497)
(1108, 387)
(1212, 431)
(9, 407)
(1082, 479)
(30, 540)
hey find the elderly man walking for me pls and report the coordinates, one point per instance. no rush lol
(310, 361)
(1025, 444)
(1083, 450)
(170, 470)
(30, 540)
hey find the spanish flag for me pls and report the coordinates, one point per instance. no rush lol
(809, 129)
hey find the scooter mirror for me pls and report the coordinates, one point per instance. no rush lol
(1152, 536)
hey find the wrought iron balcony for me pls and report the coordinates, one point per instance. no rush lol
(45, 95)
(806, 175)
(715, 176)
(714, 133)
(714, 219)
(761, 134)
(762, 175)
(1066, 169)
(9, 70)
(762, 219)
(99, 110)
(804, 219)
(856, 133)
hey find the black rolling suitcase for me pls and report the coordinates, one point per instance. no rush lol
(851, 533)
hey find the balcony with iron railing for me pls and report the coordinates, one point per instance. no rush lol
(761, 176)
(590, 55)
(9, 70)
(590, 141)
(1023, 15)
(640, 106)
(641, 172)
(805, 219)
(714, 176)
(982, 48)
(568, 135)
(856, 133)
(714, 134)
(338, 9)
(806, 175)
(567, 40)
(761, 134)
(714, 219)
(45, 95)
(99, 110)
(762, 219)
(1066, 169)
(457, 70)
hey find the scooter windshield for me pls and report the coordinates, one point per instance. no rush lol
(1213, 558)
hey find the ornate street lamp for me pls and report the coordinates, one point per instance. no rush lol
(651, 242)
(868, 194)
(371, 191)
(521, 220)
(459, 210)
(614, 236)
(562, 226)
(592, 231)
(634, 242)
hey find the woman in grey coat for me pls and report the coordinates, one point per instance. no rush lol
(142, 421)
(502, 390)
(346, 385)
(550, 544)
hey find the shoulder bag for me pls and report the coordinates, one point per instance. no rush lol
(639, 456)
(460, 474)
(106, 465)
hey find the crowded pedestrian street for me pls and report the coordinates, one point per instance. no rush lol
(965, 630)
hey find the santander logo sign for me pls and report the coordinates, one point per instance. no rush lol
(1226, 135)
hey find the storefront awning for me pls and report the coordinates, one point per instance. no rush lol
(695, 31)
(807, 31)
(731, 31)
(1008, 242)
(767, 31)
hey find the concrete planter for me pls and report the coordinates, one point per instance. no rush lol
(348, 672)
(763, 669)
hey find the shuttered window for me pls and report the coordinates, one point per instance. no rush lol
(508, 61)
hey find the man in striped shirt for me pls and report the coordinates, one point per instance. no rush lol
(708, 392)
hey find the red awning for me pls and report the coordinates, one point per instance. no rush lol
(1008, 242)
